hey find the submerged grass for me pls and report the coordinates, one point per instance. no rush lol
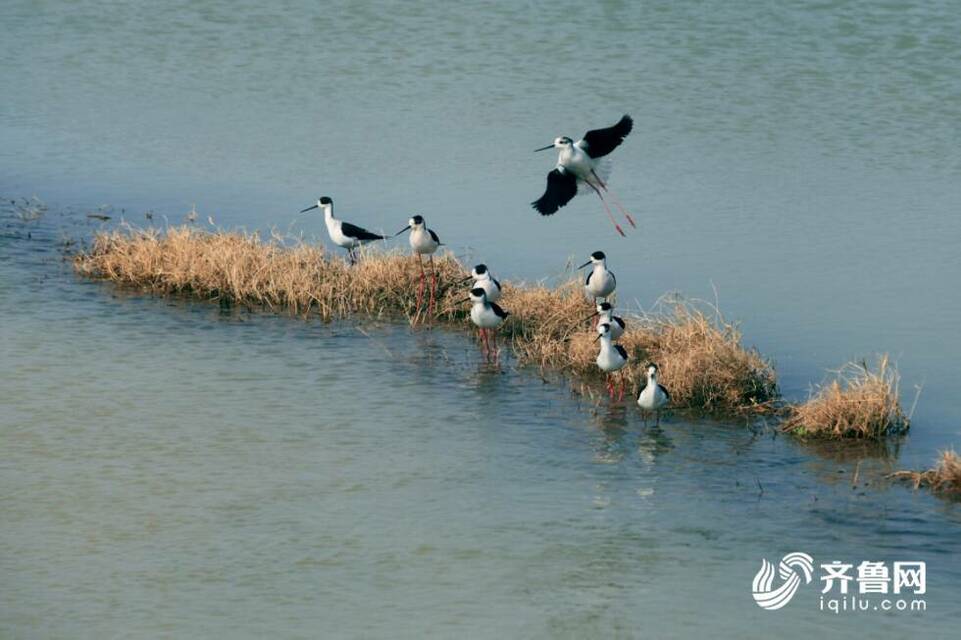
(700, 355)
(861, 402)
(944, 478)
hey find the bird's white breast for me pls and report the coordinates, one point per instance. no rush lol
(421, 241)
(601, 283)
(493, 293)
(608, 359)
(652, 397)
(574, 159)
(484, 317)
(337, 235)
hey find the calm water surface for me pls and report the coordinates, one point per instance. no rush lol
(172, 470)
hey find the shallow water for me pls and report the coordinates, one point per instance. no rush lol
(173, 470)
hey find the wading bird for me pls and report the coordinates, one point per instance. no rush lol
(579, 167)
(423, 241)
(611, 358)
(653, 396)
(600, 282)
(343, 234)
(486, 315)
(482, 278)
(605, 314)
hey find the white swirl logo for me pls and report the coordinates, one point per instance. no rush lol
(788, 569)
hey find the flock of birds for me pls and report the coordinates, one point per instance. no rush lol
(581, 168)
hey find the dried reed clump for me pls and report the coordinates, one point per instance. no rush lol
(700, 355)
(944, 478)
(859, 403)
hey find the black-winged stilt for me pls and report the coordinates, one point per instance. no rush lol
(605, 314)
(579, 165)
(343, 234)
(600, 282)
(611, 358)
(423, 241)
(653, 396)
(483, 278)
(486, 315)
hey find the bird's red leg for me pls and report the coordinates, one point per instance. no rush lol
(433, 287)
(617, 202)
(420, 286)
(620, 391)
(607, 209)
(496, 351)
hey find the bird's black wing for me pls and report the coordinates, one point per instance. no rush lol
(496, 283)
(353, 231)
(666, 394)
(500, 313)
(561, 188)
(600, 142)
(621, 351)
(587, 281)
(433, 236)
(619, 321)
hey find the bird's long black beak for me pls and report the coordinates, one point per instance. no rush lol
(550, 146)
(585, 264)
(407, 228)
(465, 300)
(308, 209)
(462, 281)
(589, 317)
(597, 338)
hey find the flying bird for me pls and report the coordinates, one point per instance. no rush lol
(579, 167)
(343, 234)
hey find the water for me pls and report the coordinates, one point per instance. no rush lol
(171, 470)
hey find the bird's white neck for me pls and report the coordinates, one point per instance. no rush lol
(484, 276)
(600, 267)
(328, 211)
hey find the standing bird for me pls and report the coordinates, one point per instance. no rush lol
(482, 278)
(600, 282)
(653, 396)
(486, 315)
(424, 242)
(578, 164)
(611, 358)
(605, 315)
(343, 234)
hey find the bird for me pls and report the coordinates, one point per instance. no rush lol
(605, 314)
(343, 234)
(611, 357)
(653, 396)
(600, 282)
(486, 315)
(482, 278)
(578, 165)
(423, 241)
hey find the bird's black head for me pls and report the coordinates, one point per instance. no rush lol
(325, 200)
(598, 255)
(564, 140)
(480, 269)
(477, 292)
(417, 219)
(651, 368)
(604, 306)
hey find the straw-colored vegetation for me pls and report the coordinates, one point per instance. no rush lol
(944, 478)
(700, 354)
(861, 402)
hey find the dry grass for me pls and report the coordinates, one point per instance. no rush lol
(860, 402)
(944, 478)
(700, 354)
